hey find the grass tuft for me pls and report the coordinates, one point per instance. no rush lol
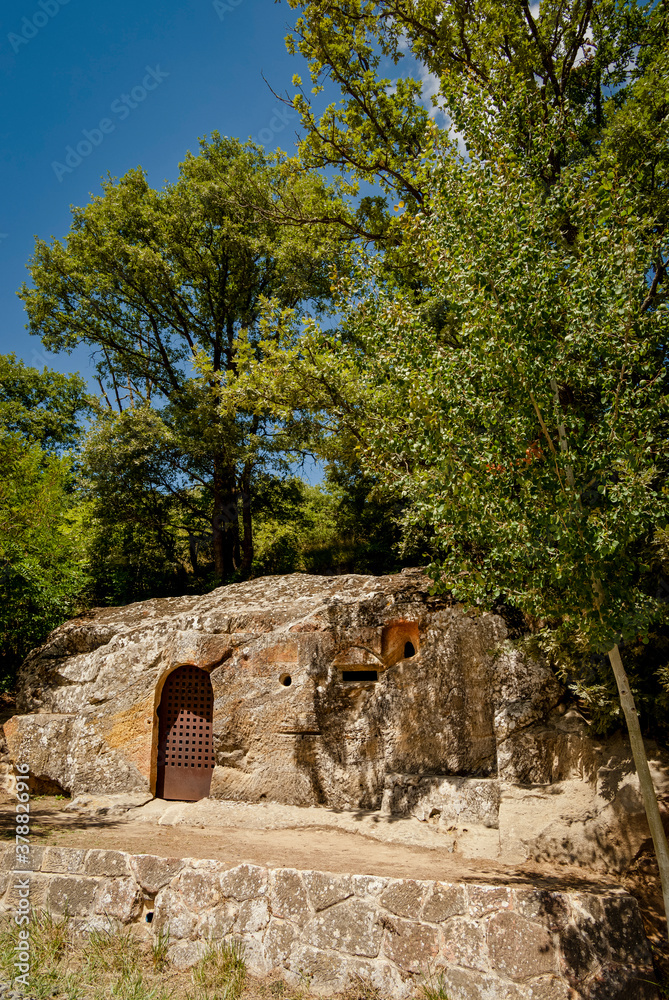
(113, 949)
(361, 988)
(159, 948)
(221, 972)
(434, 988)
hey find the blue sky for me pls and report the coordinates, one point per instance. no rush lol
(91, 88)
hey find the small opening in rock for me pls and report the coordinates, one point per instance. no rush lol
(149, 917)
(409, 650)
(360, 675)
(286, 680)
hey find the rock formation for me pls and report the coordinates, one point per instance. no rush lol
(351, 692)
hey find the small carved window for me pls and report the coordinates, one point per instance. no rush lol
(360, 675)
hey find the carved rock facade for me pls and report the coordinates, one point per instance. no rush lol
(351, 692)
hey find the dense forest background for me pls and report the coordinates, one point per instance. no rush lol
(456, 308)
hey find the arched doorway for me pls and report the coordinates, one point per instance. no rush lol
(185, 743)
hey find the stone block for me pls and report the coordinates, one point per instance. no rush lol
(253, 916)
(616, 983)
(119, 898)
(627, 942)
(71, 894)
(153, 872)
(461, 984)
(7, 857)
(464, 944)
(171, 913)
(37, 889)
(412, 946)
(254, 955)
(578, 958)
(548, 908)
(549, 988)
(352, 927)
(326, 889)
(244, 882)
(288, 896)
(186, 954)
(30, 862)
(109, 863)
(198, 890)
(404, 898)
(445, 901)
(330, 972)
(520, 948)
(63, 860)
(278, 941)
(217, 923)
(484, 899)
(368, 885)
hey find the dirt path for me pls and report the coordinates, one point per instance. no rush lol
(309, 848)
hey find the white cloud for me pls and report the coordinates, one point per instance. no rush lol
(586, 49)
(404, 44)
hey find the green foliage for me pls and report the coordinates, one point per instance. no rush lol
(41, 406)
(535, 80)
(337, 527)
(41, 554)
(166, 287)
(535, 443)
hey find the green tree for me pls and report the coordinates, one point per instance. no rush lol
(535, 81)
(43, 407)
(527, 420)
(342, 525)
(514, 389)
(164, 284)
(42, 561)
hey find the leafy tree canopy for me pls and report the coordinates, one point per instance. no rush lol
(42, 406)
(164, 284)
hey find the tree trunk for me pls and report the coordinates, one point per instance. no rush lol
(247, 541)
(192, 548)
(234, 527)
(224, 519)
(643, 771)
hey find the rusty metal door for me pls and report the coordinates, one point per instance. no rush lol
(185, 743)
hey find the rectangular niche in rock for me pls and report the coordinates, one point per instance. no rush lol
(360, 675)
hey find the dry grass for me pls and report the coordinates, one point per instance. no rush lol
(114, 964)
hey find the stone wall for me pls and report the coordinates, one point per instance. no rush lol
(489, 942)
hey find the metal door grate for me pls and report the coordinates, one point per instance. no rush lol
(185, 743)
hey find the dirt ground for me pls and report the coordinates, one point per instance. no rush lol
(329, 850)
(311, 848)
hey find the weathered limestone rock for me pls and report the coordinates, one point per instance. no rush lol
(352, 692)
(444, 682)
